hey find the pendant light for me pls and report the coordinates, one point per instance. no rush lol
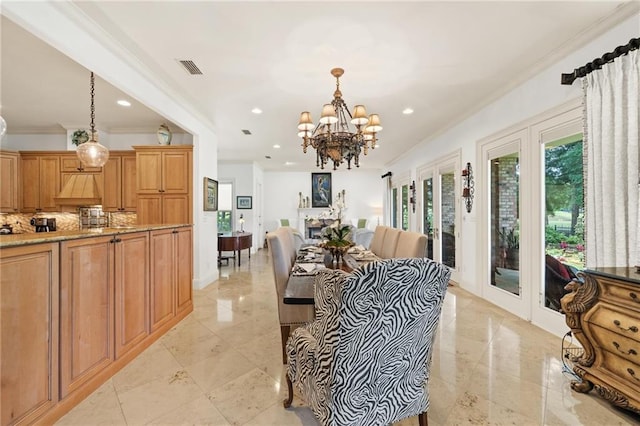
(92, 153)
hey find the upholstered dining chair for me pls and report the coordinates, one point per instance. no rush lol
(365, 360)
(284, 222)
(362, 223)
(411, 244)
(279, 242)
(378, 239)
(390, 243)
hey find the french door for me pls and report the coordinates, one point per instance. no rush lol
(439, 210)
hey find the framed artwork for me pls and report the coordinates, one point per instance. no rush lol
(243, 202)
(210, 195)
(320, 189)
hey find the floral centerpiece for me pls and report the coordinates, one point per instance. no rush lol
(337, 238)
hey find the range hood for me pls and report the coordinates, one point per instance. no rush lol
(80, 190)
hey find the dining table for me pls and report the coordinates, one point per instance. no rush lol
(300, 286)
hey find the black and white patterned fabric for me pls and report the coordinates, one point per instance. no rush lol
(365, 359)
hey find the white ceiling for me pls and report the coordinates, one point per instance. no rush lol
(444, 60)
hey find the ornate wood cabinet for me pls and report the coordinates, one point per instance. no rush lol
(603, 312)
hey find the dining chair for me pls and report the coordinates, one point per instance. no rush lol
(411, 244)
(378, 239)
(362, 223)
(284, 222)
(279, 242)
(365, 360)
(390, 243)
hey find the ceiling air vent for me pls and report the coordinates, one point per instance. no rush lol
(190, 66)
(246, 132)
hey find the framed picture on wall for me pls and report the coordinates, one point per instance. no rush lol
(320, 189)
(243, 202)
(210, 195)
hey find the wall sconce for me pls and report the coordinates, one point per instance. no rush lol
(467, 186)
(412, 198)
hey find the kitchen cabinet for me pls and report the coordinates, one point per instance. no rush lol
(119, 183)
(603, 312)
(131, 266)
(164, 184)
(28, 332)
(9, 178)
(171, 274)
(104, 308)
(40, 181)
(86, 310)
(69, 163)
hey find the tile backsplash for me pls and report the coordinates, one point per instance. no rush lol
(64, 221)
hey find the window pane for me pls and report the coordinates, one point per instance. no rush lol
(224, 221)
(505, 232)
(405, 207)
(427, 226)
(448, 219)
(564, 216)
(394, 208)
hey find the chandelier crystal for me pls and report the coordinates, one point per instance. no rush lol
(333, 138)
(92, 153)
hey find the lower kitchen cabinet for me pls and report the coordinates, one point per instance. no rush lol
(86, 310)
(131, 258)
(75, 312)
(171, 274)
(28, 332)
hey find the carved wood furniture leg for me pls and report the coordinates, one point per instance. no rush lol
(422, 419)
(287, 401)
(584, 386)
(284, 333)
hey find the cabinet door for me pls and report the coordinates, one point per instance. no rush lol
(86, 310)
(131, 290)
(112, 185)
(30, 183)
(49, 182)
(9, 182)
(149, 209)
(175, 209)
(29, 322)
(162, 279)
(184, 273)
(129, 197)
(175, 172)
(71, 163)
(149, 172)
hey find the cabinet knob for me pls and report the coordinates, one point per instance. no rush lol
(633, 374)
(634, 297)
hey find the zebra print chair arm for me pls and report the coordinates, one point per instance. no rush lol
(327, 287)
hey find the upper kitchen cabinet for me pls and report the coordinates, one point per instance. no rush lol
(9, 177)
(164, 184)
(69, 163)
(163, 170)
(119, 183)
(40, 181)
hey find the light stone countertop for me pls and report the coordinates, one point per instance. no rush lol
(15, 240)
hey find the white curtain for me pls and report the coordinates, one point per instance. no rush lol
(612, 181)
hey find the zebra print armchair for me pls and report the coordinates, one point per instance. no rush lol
(365, 359)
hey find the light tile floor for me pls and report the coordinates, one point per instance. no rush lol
(222, 366)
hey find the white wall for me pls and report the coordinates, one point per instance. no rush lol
(537, 95)
(364, 193)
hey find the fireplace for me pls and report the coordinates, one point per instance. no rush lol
(313, 227)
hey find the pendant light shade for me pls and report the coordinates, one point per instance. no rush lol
(92, 153)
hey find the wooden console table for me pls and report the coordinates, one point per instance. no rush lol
(603, 313)
(235, 242)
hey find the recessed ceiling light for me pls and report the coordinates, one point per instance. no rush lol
(407, 111)
(124, 103)
(276, 146)
(289, 163)
(256, 111)
(377, 145)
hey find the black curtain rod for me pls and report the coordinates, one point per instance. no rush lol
(597, 63)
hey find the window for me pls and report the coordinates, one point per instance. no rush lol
(225, 207)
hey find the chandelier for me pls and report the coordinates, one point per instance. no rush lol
(332, 137)
(92, 153)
